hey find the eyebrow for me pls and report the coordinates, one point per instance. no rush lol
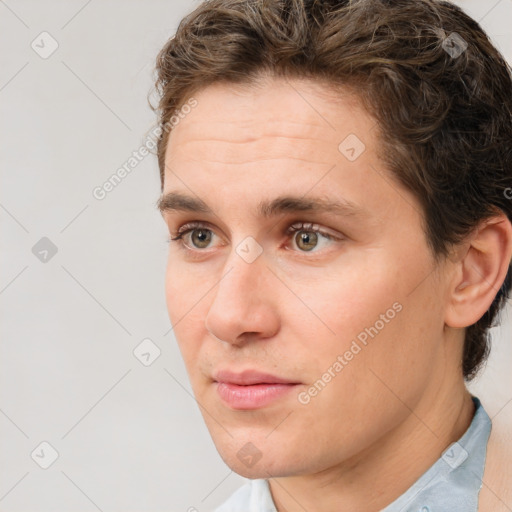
(177, 201)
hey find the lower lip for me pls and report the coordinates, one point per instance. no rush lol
(252, 397)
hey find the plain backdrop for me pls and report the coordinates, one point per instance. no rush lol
(82, 279)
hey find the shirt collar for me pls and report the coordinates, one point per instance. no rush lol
(454, 481)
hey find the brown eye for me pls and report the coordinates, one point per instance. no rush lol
(306, 240)
(200, 238)
(310, 237)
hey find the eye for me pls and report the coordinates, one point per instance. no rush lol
(308, 237)
(199, 235)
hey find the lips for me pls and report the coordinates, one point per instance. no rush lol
(251, 389)
(249, 378)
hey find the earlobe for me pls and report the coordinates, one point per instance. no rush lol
(480, 272)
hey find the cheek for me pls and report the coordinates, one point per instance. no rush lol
(173, 285)
(382, 379)
(185, 310)
(350, 299)
(390, 350)
(370, 314)
(183, 289)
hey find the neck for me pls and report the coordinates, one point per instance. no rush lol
(374, 478)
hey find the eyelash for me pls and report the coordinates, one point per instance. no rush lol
(292, 229)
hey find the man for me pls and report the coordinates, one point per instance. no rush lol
(336, 183)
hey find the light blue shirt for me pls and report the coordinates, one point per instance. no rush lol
(451, 484)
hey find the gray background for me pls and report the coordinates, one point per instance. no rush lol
(129, 437)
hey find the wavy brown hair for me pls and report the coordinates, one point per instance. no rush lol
(445, 118)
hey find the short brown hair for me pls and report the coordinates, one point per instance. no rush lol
(444, 110)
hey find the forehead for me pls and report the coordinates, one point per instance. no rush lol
(277, 113)
(242, 147)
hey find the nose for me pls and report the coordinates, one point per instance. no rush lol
(245, 304)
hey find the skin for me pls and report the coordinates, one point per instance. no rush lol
(382, 421)
(496, 493)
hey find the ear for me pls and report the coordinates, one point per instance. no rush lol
(481, 265)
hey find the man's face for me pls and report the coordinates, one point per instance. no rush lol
(245, 294)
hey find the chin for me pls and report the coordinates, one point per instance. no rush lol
(249, 461)
(262, 469)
